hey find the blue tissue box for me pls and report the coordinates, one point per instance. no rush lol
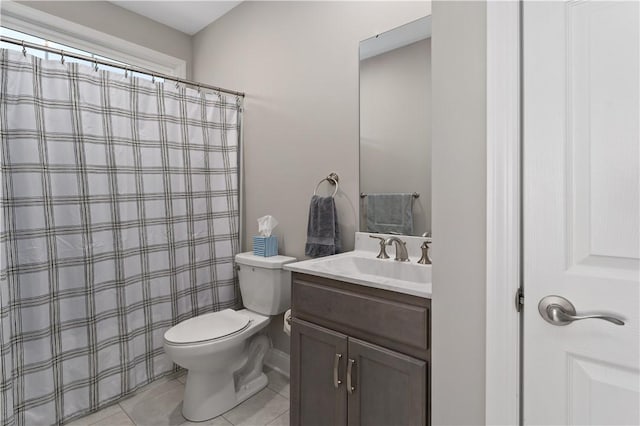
(265, 246)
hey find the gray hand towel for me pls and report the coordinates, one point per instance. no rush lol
(390, 213)
(323, 233)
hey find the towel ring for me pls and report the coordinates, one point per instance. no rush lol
(333, 179)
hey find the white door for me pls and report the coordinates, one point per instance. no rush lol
(582, 210)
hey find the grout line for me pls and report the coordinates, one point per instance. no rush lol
(127, 414)
(279, 393)
(271, 422)
(277, 417)
(281, 413)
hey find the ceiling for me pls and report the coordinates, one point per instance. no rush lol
(186, 16)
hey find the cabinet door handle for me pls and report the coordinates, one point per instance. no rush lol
(336, 363)
(350, 364)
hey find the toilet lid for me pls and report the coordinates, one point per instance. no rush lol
(207, 327)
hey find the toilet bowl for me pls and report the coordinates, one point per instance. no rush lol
(224, 351)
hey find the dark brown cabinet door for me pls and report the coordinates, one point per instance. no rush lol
(388, 388)
(317, 399)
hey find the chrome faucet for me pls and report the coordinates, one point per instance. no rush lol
(401, 248)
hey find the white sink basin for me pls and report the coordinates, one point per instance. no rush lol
(363, 268)
(352, 264)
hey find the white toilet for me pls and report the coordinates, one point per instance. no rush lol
(223, 351)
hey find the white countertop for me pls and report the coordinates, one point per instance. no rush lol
(361, 267)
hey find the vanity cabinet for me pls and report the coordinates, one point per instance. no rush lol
(359, 355)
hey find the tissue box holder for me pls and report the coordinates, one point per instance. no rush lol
(265, 246)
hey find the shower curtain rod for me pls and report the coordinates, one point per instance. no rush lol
(64, 53)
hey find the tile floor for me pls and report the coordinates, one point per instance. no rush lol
(160, 404)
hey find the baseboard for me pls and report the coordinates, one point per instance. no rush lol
(277, 360)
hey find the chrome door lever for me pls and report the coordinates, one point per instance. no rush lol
(557, 310)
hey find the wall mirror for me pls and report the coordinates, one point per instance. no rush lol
(395, 130)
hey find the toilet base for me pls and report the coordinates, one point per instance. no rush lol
(208, 395)
(252, 388)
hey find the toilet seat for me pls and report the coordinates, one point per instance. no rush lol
(207, 328)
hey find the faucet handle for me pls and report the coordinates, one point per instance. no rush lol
(425, 259)
(383, 252)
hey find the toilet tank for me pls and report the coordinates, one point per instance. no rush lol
(264, 285)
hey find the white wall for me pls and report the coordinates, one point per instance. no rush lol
(459, 212)
(395, 126)
(298, 64)
(118, 22)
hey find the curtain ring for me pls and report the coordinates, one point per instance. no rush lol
(177, 84)
(95, 65)
(62, 57)
(153, 78)
(24, 50)
(126, 72)
(198, 89)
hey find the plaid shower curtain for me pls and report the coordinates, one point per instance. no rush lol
(119, 218)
